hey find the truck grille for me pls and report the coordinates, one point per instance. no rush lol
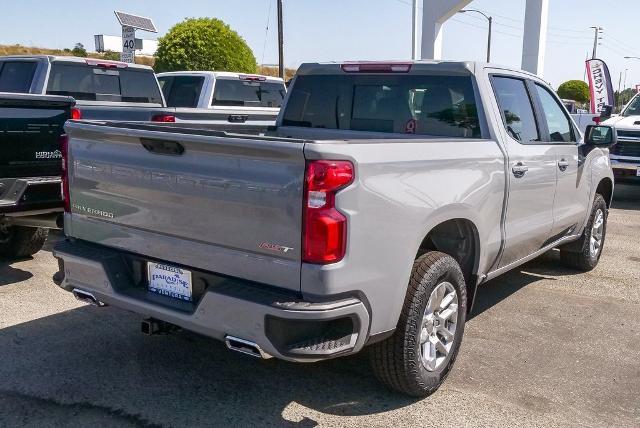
(634, 135)
(628, 144)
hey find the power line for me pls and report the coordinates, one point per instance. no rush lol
(614, 49)
(621, 43)
(266, 31)
(484, 28)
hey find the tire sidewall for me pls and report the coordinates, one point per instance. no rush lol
(598, 203)
(446, 269)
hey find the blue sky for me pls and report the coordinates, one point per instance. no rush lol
(326, 30)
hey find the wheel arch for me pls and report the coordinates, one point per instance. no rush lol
(458, 237)
(605, 188)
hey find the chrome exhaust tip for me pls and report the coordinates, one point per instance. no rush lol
(246, 347)
(86, 297)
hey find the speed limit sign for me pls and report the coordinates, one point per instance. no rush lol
(128, 45)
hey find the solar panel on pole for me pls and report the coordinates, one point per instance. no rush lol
(135, 21)
(130, 23)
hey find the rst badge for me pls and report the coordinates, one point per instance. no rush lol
(56, 154)
(275, 247)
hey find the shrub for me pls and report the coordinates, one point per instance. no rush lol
(204, 44)
(574, 90)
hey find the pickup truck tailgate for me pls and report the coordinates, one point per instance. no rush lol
(30, 127)
(229, 204)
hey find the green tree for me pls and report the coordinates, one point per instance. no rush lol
(79, 50)
(204, 44)
(574, 90)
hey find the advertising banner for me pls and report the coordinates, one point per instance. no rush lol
(600, 87)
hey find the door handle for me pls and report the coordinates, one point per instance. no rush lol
(563, 164)
(519, 170)
(237, 118)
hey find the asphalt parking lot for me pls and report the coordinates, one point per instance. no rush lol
(545, 347)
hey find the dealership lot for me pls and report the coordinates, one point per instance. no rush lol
(545, 346)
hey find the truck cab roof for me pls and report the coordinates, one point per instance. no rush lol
(74, 59)
(219, 74)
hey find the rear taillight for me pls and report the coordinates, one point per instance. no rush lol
(165, 118)
(76, 113)
(64, 149)
(325, 228)
(376, 67)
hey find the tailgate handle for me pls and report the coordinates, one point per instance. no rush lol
(237, 118)
(162, 147)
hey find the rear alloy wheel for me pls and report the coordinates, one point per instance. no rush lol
(419, 355)
(439, 326)
(585, 253)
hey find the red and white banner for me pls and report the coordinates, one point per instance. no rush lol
(600, 87)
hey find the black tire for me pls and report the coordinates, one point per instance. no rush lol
(578, 255)
(20, 241)
(397, 361)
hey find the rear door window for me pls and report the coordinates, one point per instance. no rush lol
(558, 123)
(439, 105)
(16, 76)
(516, 108)
(181, 91)
(248, 93)
(84, 82)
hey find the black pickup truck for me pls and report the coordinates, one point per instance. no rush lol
(30, 169)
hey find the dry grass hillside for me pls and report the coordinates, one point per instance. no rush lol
(28, 50)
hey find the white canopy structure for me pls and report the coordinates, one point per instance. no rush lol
(436, 12)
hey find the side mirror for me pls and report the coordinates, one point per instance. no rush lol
(600, 136)
(606, 112)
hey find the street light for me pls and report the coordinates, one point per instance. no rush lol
(490, 19)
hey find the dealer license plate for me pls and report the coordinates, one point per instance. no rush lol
(170, 281)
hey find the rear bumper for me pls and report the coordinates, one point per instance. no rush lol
(33, 195)
(280, 324)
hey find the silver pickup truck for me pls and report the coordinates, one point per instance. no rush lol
(105, 90)
(387, 193)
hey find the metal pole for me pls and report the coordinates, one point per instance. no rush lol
(624, 85)
(414, 31)
(595, 41)
(619, 93)
(489, 40)
(490, 19)
(280, 42)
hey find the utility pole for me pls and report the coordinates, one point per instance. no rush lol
(624, 85)
(280, 42)
(414, 30)
(489, 40)
(598, 31)
(619, 93)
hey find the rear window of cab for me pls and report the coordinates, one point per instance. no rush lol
(438, 105)
(89, 83)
